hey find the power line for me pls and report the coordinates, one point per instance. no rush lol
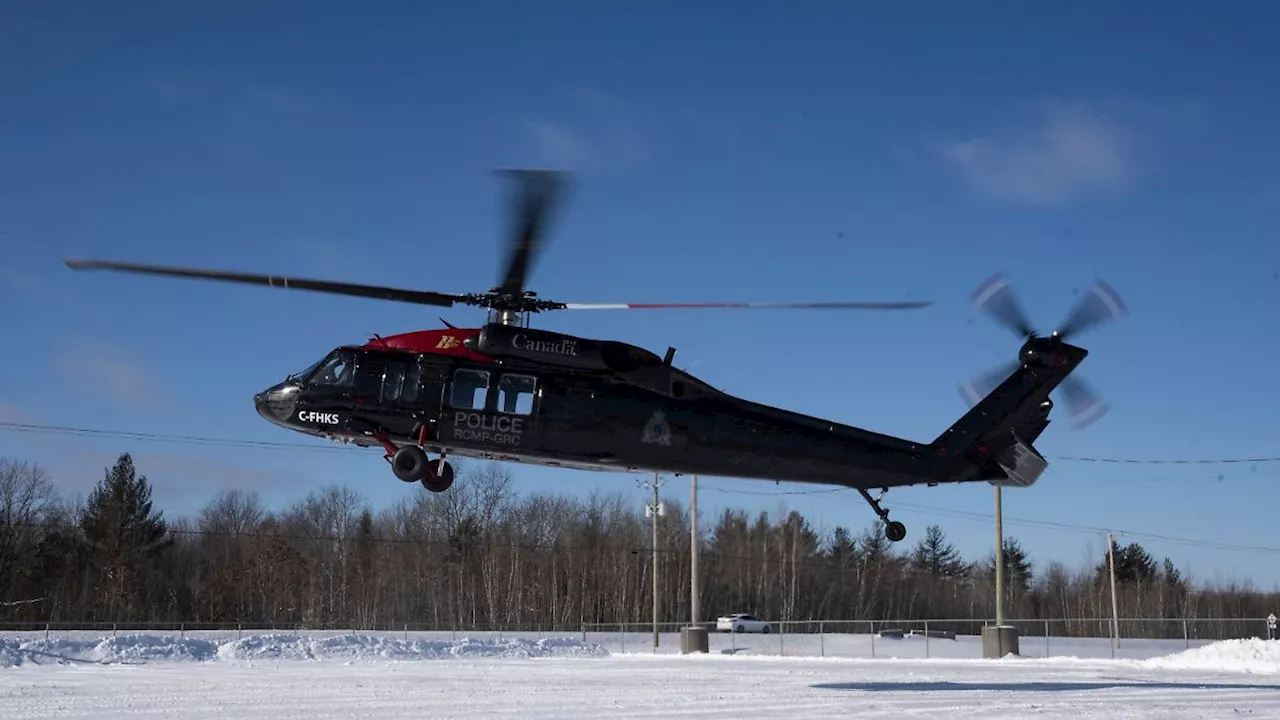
(270, 445)
(1136, 461)
(1030, 522)
(178, 439)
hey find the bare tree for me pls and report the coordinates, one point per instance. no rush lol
(484, 556)
(26, 499)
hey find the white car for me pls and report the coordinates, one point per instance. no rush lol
(741, 622)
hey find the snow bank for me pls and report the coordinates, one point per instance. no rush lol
(10, 653)
(370, 647)
(126, 649)
(143, 648)
(1250, 655)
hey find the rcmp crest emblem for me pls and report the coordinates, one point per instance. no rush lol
(657, 431)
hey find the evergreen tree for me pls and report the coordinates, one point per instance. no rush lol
(844, 549)
(1173, 576)
(935, 556)
(873, 546)
(123, 538)
(1017, 568)
(1133, 565)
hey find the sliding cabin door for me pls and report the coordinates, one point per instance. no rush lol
(492, 409)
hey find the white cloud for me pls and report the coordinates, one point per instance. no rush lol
(107, 373)
(1073, 151)
(594, 133)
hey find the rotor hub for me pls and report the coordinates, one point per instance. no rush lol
(1044, 352)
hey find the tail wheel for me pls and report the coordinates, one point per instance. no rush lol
(439, 476)
(895, 531)
(410, 464)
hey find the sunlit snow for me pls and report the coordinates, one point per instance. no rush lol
(416, 675)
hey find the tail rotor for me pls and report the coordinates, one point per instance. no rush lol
(1101, 304)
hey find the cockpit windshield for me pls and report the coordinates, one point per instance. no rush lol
(338, 369)
(303, 375)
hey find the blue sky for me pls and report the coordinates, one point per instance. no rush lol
(825, 152)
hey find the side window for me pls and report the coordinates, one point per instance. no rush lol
(391, 380)
(515, 394)
(412, 379)
(470, 388)
(369, 369)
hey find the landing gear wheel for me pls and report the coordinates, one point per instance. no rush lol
(439, 476)
(895, 531)
(409, 463)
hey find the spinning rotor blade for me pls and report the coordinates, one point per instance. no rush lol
(538, 192)
(754, 305)
(1101, 304)
(368, 291)
(995, 296)
(975, 389)
(1084, 406)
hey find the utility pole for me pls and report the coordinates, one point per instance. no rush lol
(656, 508)
(999, 640)
(653, 511)
(999, 558)
(693, 551)
(1115, 611)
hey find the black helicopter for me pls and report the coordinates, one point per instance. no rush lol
(509, 392)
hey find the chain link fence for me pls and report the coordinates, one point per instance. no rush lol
(932, 638)
(940, 638)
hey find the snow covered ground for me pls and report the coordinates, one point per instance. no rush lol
(417, 675)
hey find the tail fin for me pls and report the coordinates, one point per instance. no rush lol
(993, 440)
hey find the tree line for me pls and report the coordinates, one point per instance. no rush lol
(481, 556)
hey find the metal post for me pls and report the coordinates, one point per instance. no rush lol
(693, 551)
(1115, 612)
(999, 559)
(655, 561)
(652, 511)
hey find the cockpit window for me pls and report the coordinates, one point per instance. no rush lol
(337, 370)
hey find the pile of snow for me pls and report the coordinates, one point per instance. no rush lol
(371, 647)
(1251, 655)
(143, 648)
(10, 653)
(127, 649)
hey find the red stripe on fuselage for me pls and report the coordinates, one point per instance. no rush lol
(432, 342)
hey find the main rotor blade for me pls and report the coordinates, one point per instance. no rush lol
(995, 296)
(538, 192)
(1101, 304)
(908, 305)
(368, 291)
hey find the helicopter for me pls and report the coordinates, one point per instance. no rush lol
(510, 392)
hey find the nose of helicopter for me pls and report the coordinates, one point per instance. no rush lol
(276, 404)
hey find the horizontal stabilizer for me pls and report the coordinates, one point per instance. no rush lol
(1021, 463)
